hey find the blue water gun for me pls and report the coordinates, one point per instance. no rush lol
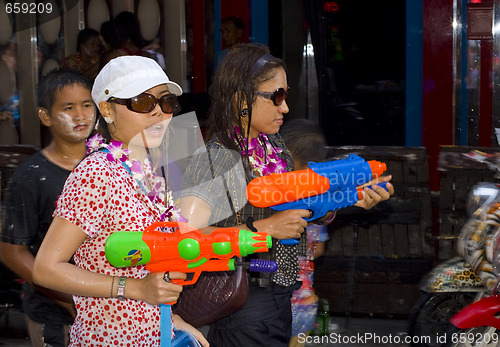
(321, 188)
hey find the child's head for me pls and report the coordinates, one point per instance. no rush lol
(88, 42)
(305, 141)
(66, 105)
(55, 81)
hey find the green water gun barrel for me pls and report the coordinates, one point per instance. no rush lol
(254, 242)
(124, 249)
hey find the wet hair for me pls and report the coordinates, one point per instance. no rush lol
(305, 140)
(85, 35)
(238, 23)
(237, 77)
(57, 80)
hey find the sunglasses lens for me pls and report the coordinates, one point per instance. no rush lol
(168, 103)
(279, 96)
(143, 103)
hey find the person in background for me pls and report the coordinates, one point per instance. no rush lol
(123, 35)
(89, 49)
(66, 108)
(152, 50)
(232, 31)
(115, 188)
(108, 35)
(306, 143)
(248, 105)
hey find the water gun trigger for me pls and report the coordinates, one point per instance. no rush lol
(191, 278)
(311, 216)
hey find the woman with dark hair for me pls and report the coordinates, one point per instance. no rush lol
(248, 105)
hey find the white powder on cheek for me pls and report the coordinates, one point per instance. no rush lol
(66, 121)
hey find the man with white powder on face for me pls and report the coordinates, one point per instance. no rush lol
(67, 109)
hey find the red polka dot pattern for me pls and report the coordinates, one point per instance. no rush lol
(101, 197)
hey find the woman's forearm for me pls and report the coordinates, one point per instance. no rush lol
(70, 279)
(53, 270)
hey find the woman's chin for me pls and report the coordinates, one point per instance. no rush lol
(148, 139)
(150, 143)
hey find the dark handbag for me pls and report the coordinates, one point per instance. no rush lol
(214, 296)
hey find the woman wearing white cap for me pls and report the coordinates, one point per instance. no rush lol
(115, 189)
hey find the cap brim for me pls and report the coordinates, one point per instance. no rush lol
(138, 87)
(174, 88)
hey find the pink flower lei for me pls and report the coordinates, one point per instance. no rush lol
(151, 184)
(261, 154)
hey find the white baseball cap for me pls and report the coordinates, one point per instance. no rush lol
(128, 76)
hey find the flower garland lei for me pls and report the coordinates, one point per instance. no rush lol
(261, 154)
(151, 184)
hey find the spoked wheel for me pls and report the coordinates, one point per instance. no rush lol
(430, 318)
(474, 337)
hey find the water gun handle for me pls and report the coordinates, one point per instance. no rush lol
(165, 325)
(289, 241)
(318, 214)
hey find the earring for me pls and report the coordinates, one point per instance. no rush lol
(108, 120)
(244, 112)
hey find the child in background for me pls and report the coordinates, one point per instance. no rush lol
(89, 48)
(67, 109)
(306, 142)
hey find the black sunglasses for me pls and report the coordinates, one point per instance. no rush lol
(278, 96)
(145, 103)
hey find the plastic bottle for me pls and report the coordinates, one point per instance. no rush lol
(323, 318)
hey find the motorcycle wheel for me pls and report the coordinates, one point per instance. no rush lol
(473, 337)
(430, 318)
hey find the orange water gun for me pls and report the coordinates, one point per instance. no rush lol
(323, 187)
(187, 249)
